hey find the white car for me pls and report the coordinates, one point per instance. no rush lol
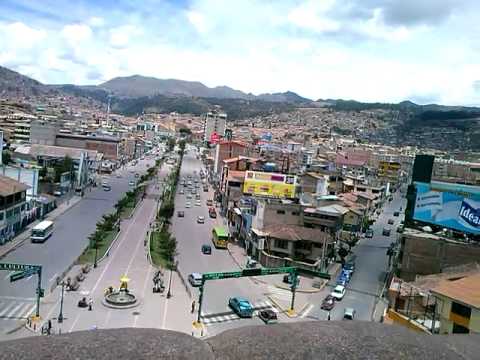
(198, 203)
(201, 220)
(338, 292)
(188, 205)
(195, 279)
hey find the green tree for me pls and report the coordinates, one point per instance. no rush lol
(6, 157)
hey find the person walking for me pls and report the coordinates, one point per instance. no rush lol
(49, 327)
(193, 306)
(328, 318)
(90, 304)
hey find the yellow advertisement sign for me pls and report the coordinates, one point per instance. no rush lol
(269, 184)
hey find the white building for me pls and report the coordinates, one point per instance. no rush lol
(214, 122)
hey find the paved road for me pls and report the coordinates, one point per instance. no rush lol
(371, 265)
(190, 237)
(62, 248)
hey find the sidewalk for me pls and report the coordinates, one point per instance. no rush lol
(18, 240)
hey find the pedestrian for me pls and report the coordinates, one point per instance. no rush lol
(90, 304)
(193, 306)
(49, 327)
(328, 318)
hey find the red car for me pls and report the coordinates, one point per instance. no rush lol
(328, 303)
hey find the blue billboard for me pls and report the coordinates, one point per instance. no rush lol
(452, 206)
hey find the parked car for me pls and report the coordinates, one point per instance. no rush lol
(350, 267)
(386, 232)
(209, 202)
(328, 303)
(198, 203)
(195, 279)
(342, 280)
(197, 197)
(369, 233)
(346, 274)
(189, 196)
(396, 213)
(212, 213)
(241, 306)
(268, 316)
(349, 314)
(181, 192)
(206, 249)
(205, 189)
(391, 221)
(188, 205)
(180, 213)
(201, 219)
(338, 292)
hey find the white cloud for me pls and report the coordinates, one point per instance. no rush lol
(76, 33)
(96, 22)
(258, 46)
(121, 36)
(198, 21)
(312, 15)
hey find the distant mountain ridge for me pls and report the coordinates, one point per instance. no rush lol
(138, 86)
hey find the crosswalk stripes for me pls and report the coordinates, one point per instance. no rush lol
(16, 310)
(279, 293)
(216, 318)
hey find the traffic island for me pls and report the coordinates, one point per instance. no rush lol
(122, 298)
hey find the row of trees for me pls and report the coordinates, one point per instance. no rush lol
(164, 243)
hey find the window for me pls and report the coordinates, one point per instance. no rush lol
(281, 212)
(281, 244)
(1, 215)
(461, 310)
(9, 213)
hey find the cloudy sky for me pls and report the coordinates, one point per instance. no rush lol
(369, 50)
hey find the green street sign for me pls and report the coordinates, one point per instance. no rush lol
(22, 274)
(17, 267)
(248, 272)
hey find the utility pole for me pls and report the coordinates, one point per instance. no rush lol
(60, 316)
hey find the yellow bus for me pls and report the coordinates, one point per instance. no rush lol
(220, 237)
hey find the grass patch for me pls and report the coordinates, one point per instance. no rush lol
(88, 256)
(128, 210)
(162, 246)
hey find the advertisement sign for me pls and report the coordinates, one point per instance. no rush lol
(452, 206)
(269, 184)
(214, 138)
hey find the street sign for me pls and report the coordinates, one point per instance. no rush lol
(17, 267)
(22, 274)
(248, 272)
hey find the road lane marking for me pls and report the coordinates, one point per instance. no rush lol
(145, 284)
(307, 311)
(14, 310)
(53, 277)
(17, 298)
(6, 309)
(8, 275)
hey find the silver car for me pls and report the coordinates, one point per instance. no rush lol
(195, 279)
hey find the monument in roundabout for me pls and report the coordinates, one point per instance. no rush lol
(121, 298)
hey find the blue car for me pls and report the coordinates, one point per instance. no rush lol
(342, 281)
(346, 273)
(241, 306)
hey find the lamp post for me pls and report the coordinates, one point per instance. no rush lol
(96, 253)
(169, 293)
(60, 316)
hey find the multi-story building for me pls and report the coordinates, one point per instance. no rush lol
(227, 150)
(43, 132)
(214, 122)
(458, 305)
(12, 207)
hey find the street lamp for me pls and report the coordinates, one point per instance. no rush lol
(169, 293)
(60, 316)
(96, 253)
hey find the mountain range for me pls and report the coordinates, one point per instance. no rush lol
(135, 94)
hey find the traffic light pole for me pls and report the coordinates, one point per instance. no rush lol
(200, 300)
(39, 291)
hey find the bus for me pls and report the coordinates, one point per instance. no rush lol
(220, 237)
(42, 231)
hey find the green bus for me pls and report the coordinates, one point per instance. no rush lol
(220, 237)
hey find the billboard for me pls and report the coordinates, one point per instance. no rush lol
(452, 206)
(269, 184)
